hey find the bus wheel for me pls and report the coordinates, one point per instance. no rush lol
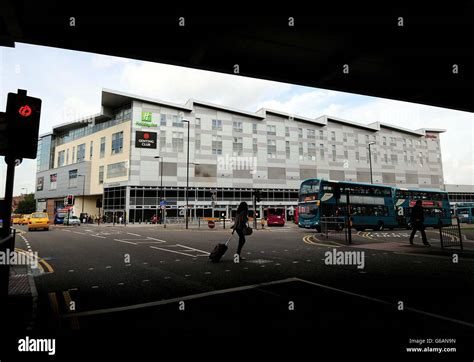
(379, 226)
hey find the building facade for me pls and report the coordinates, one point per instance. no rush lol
(113, 156)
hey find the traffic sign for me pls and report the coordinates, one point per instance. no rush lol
(211, 224)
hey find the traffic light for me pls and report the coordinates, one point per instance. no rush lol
(23, 118)
(257, 195)
(98, 203)
(70, 200)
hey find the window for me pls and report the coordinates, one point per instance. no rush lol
(217, 124)
(67, 156)
(404, 142)
(334, 152)
(255, 147)
(101, 174)
(385, 159)
(394, 159)
(237, 126)
(271, 130)
(375, 156)
(384, 139)
(271, 149)
(60, 158)
(163, 120)
(91, 150)
(321, 134)
(357, 156)
(367, 156)
(300, 132)
(72, 178)
(237, 146)
(333, 135)
(163, 140)
(217, 145)
(177, 122)
(321, 150)
(198, 123)
(346, 154)
(117, 143)
(356, 139)
(254, 128)
(287, 148)
(73, 154)
(102, 147)
(81, 152)
(287, 131)
(301, 151)
(367, 138)
(421, 159)
(52, 181)
(405, 157)
(197, 144)
(344, 137)
(177, 142)
(311, 151)
(311, 134)
(412, 160)
(118, 169)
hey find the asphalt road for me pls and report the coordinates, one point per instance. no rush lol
(127, 280)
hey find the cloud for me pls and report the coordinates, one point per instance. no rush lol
(105, 61)
(177, 84)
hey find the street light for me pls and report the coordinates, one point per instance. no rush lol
(187, 175)
(83, 191)
(161, 182)
(370, 161)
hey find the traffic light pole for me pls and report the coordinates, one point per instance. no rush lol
(8, 195)
(254, 211)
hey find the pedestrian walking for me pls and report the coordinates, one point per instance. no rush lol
(240, 224)
(417, 219)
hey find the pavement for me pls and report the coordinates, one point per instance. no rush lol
(143, 285)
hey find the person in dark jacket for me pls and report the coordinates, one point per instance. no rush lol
(417, 219)
(240, 223)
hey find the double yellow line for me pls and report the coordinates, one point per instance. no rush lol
(53, 300)
(307, 239)
(42, 264)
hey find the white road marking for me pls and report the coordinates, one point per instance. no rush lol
(145, 281)
(71, 271)
(108, 267)
(189, 248)
(171, 251)
(127, 242)
(120, 284)
(91, 268)
(78, 232)
(95, 287)
(133, 234)
(98, 236)
(150, 238)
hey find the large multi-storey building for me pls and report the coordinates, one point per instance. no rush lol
(113, 154)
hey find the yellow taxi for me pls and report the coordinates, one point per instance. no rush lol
(38, 220)
(16, 219)
(24, 219)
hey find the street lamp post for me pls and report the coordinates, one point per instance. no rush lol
(370, 161)
(187, 176)
(83, 191)
(161, 184)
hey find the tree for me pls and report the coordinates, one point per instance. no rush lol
(27, 205)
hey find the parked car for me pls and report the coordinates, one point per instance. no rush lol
(25, 219)
(38, 220)
(71, 220)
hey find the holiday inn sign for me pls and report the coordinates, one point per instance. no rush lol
(146, 120)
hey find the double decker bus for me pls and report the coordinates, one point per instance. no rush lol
(435, 204)
(465, 212)
(372, 206)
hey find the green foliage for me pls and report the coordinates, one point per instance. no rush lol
(27, 205)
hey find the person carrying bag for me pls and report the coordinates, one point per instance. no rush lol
(241, 226)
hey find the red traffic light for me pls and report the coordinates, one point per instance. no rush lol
(25, 111)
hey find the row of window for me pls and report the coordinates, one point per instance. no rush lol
(79, 154)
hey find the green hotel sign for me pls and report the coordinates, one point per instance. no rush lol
(146, 120)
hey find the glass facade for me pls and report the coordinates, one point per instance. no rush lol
(44, 160)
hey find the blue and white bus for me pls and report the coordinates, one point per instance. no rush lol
(435, 205)
(372, 206)
(465, 213)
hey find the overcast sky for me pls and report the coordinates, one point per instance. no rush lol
(70, 82)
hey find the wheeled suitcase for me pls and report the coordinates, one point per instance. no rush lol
(219, 251)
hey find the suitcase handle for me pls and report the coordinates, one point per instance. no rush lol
(230, 237)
